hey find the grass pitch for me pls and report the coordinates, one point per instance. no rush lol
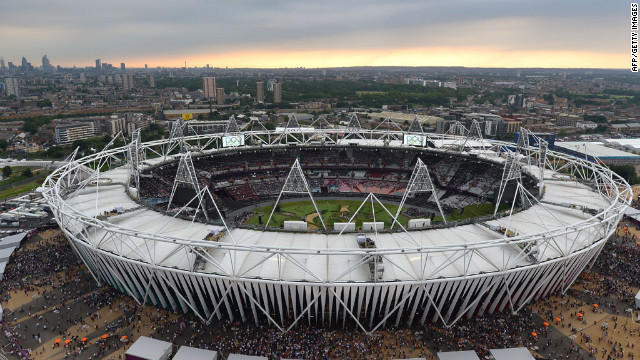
(333, 211)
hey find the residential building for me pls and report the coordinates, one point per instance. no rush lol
(260, 91)
(277, 92)
(128, 82)
(116, 124)
(220, 96)
(152, 81)
(209, 87)
(68, 133)
(12, 86)
(565, 119)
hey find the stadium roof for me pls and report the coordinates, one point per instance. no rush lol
(94, 201)
(595, 149)
(631, 144)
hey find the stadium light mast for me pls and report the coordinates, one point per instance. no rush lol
(296, 183)
(135, 157)
(176, 137)
(354, 129)
(420, 182)
(232, 126)
(415, 126)
(186, 176)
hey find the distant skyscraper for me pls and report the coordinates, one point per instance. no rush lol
(46, 64)
(128, 82)
(98, 65)
(220, 96)
(260, 91)
(122, 67)
(146, 66)
(2, 64)
(277, 92)
(12, 86)
(25, 63)
(152, 81)
(209, 87)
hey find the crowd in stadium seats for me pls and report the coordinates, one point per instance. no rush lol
(248, 176)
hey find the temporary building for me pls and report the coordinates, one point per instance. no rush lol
(191, 353)
(146, 348)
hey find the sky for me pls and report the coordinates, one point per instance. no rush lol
(327, 33)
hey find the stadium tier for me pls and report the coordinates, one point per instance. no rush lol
(553, 214)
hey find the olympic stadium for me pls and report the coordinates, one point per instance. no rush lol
(336, 226)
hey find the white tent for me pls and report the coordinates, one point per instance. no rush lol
(458, 355)
(638, 300)
(12, 240)
(146, 348)
(246, 357)
(520, 353)
(191, 353)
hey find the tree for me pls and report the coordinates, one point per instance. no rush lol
(27, 172)
(6, 171)
(3, 144)
(627, 172)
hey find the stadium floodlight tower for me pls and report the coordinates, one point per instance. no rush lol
(296, 183)
(475, 135)
(354, 129)
(176, 137)
(291, 129)
(320, 126)
(232, 126)
(186, 176)
(415, 126)
(135, 157)
(391, 130)
(420, 182)
(512, 172)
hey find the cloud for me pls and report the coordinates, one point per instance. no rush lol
(76, 32)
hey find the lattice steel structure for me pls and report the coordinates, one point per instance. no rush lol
(438, 274)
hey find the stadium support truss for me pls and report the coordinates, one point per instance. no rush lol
(440, 274)
(420, 182)
(296, 183)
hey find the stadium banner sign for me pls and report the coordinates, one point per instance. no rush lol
(415, 140)
(232, 141)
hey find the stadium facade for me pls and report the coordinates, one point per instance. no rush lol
(178, 259)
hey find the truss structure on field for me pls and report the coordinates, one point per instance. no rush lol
(296, 183)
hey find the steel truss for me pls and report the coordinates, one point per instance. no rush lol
(441, 284)
(296, 183)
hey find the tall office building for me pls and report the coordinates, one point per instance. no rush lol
(277, 92)
(220, 96)
(122, 67)
(12, 86)
(25, 63)
(46, 64)
(2, 64)
(209, 87)
(152, 81)
(128, 82)
(98, 65)
(259, 91)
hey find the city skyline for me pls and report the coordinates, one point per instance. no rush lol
(332, 34)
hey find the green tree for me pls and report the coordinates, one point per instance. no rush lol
(627, 172)
(6, 171)
(3, 144)
(27, 172)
